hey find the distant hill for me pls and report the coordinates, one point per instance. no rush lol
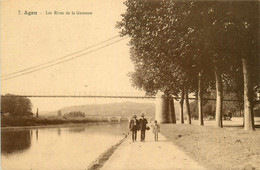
(114, 109)
(123, 109)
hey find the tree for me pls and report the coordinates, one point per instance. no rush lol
(59, 113)
(243, 44)
(16, 106)
(177, 43)
(250, 58)
(153, 52)
(172, 110)
(229, 31)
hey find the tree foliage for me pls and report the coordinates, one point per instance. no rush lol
(16, 106)
(174, 44)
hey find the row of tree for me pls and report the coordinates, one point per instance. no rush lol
(75, 114)
(185, 47)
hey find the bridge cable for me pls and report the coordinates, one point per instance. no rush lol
(72, 58)
(39, 65)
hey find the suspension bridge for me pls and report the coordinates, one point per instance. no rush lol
(111, 96)
(161, 101)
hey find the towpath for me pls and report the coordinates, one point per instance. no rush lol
(149, 155)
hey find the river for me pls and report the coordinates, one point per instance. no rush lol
(70, 148)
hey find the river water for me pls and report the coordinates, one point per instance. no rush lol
(69, 148)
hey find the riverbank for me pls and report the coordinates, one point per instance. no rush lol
(101, 160)
(41, 122)
(216, 148)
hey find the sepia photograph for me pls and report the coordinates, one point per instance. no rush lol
(130, 84)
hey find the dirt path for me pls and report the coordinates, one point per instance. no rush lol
(149, 155)
(216, 148)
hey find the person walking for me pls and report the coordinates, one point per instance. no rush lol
(156, 130)
(133, 126)
(142, 126)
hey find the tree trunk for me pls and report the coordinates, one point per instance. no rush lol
(169, 109)
(172, 111)
(166, 107)
(187, 105)
(248, 96)
(181, 104)
(219, 101)
(200, 94)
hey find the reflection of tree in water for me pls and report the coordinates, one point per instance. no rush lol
(15, 141)
(76, 129)
(37, 135)
(59, 131)
(111, 128)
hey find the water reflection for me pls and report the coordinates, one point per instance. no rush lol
(76, 129)
(57, 148)
(59, 131)
(36, 134)
(15, 141)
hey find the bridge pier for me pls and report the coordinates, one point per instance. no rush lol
(162, 108)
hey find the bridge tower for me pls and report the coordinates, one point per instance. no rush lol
(162, 108)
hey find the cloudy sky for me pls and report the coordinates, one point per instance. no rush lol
(28, 41)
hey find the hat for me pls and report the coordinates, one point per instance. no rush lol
(142, 114)
(134, 116)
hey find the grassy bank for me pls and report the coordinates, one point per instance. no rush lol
(43, 121)
(216, 148)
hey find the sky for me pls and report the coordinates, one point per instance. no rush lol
(27, 41)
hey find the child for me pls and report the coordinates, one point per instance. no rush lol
(156, 129)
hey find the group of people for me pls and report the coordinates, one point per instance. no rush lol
(142, 125)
